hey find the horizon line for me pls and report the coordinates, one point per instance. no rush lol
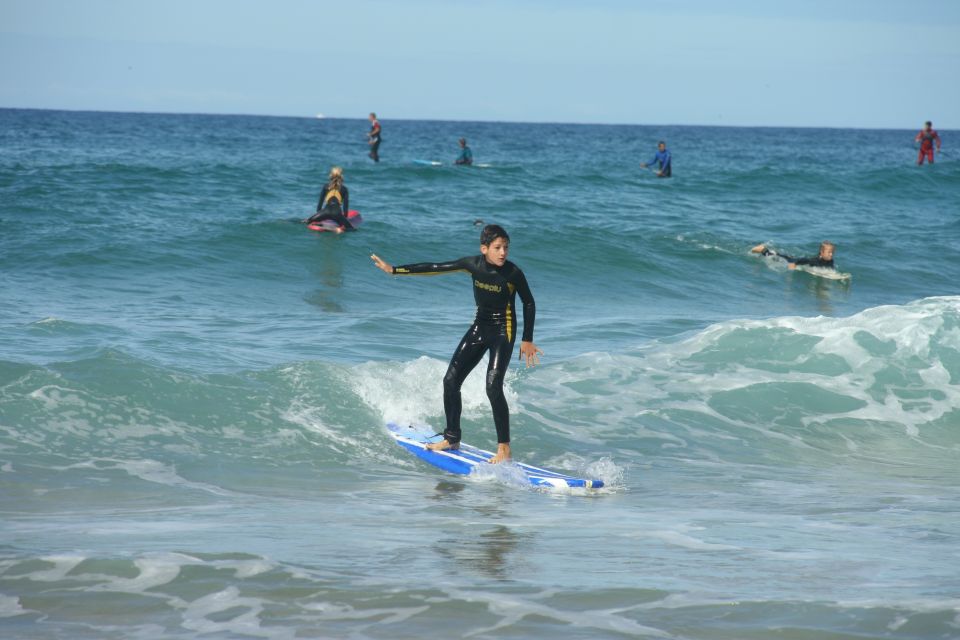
(510, 122)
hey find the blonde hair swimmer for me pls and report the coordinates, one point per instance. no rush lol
(334, 202)
(823, 259)
(496, 284)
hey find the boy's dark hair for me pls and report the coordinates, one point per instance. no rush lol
(491, 232)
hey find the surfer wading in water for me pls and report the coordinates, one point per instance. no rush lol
(927, 137)
(662, 159)
(373, 138)
(496, 283)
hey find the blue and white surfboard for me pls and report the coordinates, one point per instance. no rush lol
(465, 459)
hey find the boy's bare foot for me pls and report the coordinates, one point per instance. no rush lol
(443, 445)
(503, 454)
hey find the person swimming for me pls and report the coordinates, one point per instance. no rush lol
(823, 259)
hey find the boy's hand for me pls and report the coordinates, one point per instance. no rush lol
(531, 353)
(383, 266)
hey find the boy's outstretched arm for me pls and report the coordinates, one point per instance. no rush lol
(383, 266)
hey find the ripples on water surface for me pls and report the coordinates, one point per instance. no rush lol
(193, 387)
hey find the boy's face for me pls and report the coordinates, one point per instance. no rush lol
(496, 252)
(826, 251)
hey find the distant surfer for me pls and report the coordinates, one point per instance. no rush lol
(662, 159)
(496, 283)
(334, 202)
(823, 259)
(466, 156)
(926, 138)
(373, 137)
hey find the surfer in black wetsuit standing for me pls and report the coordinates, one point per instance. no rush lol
(822, 259)
(373, 137)
(334, 202)
(496, 283)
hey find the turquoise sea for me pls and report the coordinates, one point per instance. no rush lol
(193, 386)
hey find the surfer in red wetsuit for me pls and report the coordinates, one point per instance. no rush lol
(496, 283)
(926, 138)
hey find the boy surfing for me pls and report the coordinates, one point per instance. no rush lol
(496, 283)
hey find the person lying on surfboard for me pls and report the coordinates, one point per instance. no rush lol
(496, 283)
(822, 259)
(334, 202)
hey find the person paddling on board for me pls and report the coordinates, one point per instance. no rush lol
(466, 156)
(822, 259)
(334, 202)
(926, 138)
(663, 160)
(496, 283)
(373, 137)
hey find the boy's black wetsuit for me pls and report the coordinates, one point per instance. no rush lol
(495, 289)
(333, 209)
(815, 261)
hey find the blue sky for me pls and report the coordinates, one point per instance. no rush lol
(844, 63)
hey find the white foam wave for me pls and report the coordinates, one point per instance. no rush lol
(62, 565)
(154, 572)
(512, 609)
(867, 379)
(604, 469)
(329, 611)
(10, 606)
(507, 473)
(413, 391)
(245, 621)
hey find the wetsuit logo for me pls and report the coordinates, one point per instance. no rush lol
(487, 287)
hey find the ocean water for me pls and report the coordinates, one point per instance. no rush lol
(193, 386)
